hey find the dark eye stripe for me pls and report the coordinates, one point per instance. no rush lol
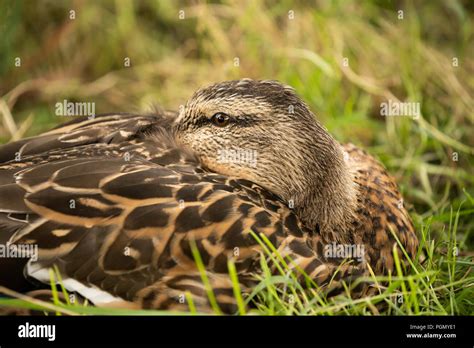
(202, 121)
(246, 120)
(240, 121)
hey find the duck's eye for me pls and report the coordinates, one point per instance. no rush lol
(220, 119)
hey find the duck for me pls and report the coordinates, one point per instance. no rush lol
(117, 203)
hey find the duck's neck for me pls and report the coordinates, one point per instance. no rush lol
(329, 200)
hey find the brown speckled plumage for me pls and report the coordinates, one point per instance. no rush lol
(115, 201)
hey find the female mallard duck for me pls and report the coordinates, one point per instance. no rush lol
(116, 201)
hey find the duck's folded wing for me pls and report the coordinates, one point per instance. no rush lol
(122, 231)
(115, 226)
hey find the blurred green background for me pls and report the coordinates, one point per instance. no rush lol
(420, 51)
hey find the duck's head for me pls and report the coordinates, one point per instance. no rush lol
(263, 132)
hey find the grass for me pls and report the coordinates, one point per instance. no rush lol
(425, 57)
